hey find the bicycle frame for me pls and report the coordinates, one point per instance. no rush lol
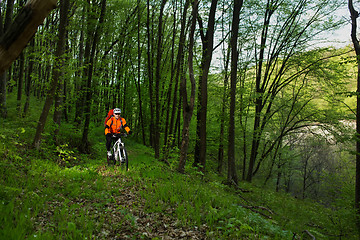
(117, 148)
(119, 152)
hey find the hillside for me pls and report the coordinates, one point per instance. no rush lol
(58, 193)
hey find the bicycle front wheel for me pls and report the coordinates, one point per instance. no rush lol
(124, 156)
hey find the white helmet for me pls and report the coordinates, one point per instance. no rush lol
(117, 111)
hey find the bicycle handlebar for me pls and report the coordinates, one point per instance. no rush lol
(121, 134)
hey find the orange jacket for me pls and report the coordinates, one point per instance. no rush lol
(114, 126)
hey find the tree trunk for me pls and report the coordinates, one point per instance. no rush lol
(89, 70)
(28, 78)
(168, 127)
(58, 106)
(64, 7)
(20, 81)
(141, 120)
(207, 42)
(259, 95)
(224, 99)
(3, 108)
(232, 176)
(79, 104)
(3, 28)
(158, 81)
(22, 30)
(354, 15)
(187, 108)
(150, 75)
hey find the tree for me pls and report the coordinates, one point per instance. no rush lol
(22, 29)
(188, 107)
(150, 72)
(284, 35)
(354, 15)
(29, 77)
(138, 85)
(158, 81)
(3, 28)
(60, 48)
(207, 40)
(232, 176)
(90, 49)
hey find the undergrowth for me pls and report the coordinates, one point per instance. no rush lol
(58, 193)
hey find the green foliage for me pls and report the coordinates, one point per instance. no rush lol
(57, 192)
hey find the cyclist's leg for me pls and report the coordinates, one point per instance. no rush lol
(108, 142)
(108, 148)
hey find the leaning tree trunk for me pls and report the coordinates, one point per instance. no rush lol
(354, 15)
(22, 30)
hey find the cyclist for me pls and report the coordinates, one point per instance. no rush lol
(113, 127)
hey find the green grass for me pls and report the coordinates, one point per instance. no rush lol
(59, 193)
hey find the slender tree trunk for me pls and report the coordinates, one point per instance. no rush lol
(232, 176)
(167, 131)
(259, 95)
(278, 177)
(158, 81)
(187, 108)
(305, 169)
(3, 108)
(354, 15)
(3, 28)
(9, 13)
(223, 110)
(150, 75)
(28, 78)
(20, 81)
(79, 85)
(208, 42)
(142, 124)
(67, 106)
(58, 106)
(64, 7)
(90, 63)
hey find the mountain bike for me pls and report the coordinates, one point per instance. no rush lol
(118, 152)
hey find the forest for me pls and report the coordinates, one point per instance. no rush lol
(244, 114)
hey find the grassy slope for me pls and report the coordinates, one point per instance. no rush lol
(59, 193)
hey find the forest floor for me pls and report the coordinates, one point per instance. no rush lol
(57, 192)
(125, 216)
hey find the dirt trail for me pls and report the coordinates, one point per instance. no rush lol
(141, 224)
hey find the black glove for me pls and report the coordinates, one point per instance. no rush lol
(130, 132)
